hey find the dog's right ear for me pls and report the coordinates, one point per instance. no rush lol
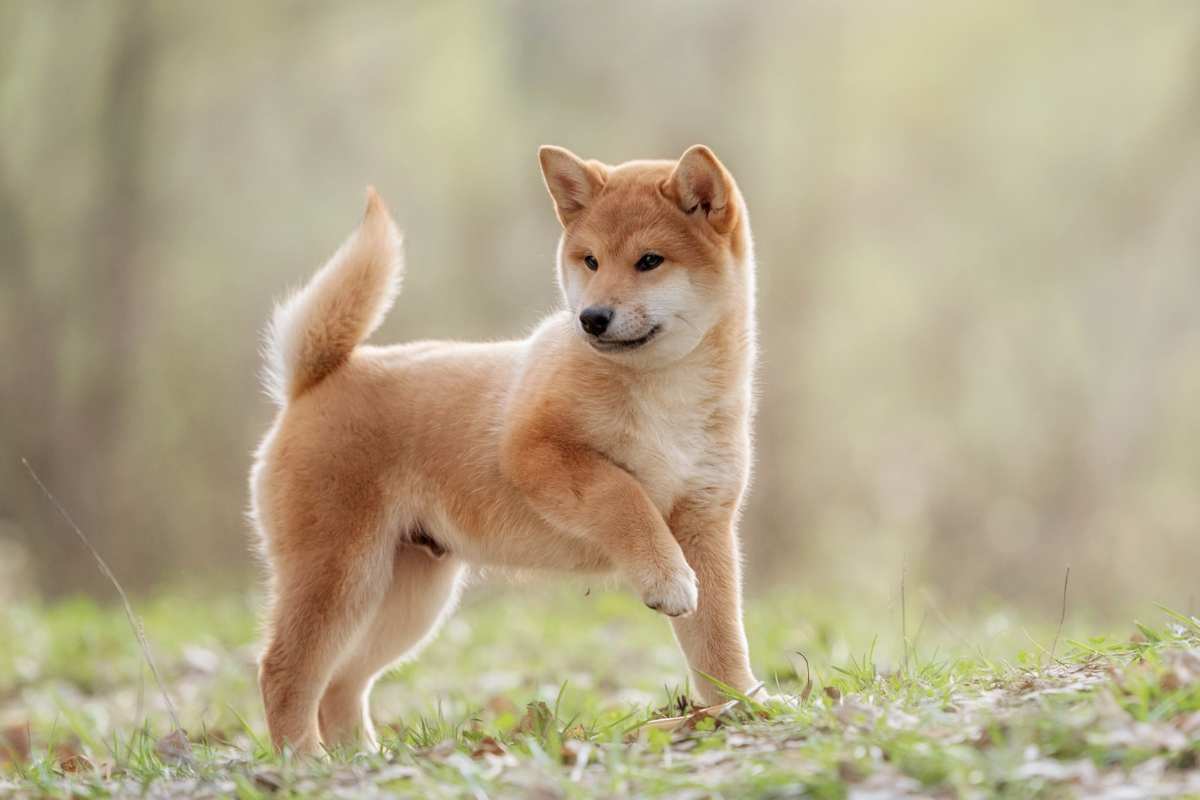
(573, 182)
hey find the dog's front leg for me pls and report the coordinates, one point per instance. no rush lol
(580, 492)
(713, 639)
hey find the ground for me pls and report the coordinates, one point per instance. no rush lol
(562, 692)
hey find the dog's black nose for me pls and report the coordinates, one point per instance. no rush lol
(595, 319)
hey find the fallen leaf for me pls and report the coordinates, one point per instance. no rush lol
(1188, 723)
(689, 721)
(442, 750)
(1183, 669)
(488, 746)
(174, 748)
(268, 780)
(537, 717)
(573, 750)
(15, 744)
(849, 773)
(501, 705)
(663, 723)
(71, 759)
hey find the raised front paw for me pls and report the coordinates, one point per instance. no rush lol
(673, 593)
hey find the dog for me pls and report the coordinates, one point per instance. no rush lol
(616, 437)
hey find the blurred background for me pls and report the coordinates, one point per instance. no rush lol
(978, 238)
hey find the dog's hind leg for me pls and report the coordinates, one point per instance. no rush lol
(423, 590)
(324, 599)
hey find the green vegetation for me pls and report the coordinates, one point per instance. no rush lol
(537, 692)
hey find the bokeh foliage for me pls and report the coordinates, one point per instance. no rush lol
(977, 225)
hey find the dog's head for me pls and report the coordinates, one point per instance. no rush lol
(653, 253)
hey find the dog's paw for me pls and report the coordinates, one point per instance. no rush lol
(674, 594)
(790, 702)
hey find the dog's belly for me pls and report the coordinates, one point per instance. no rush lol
(513, 538)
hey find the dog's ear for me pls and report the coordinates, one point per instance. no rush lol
(700, 185)
(573, 182)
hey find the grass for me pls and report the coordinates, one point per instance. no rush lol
(546, 693)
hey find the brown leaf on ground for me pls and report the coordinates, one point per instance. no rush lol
(217, 736)
(488, 746)
(442, 750)
(174, 748)
(268, 780)
(689, 721)
(71, 759)
(1182, 669)
(501, 705)
(849, 772)
(15, 745)
(537, 716)
(575, 751)
(1188, 723)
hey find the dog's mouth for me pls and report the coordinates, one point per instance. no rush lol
(615, 345)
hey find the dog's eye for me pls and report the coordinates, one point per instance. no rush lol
(591, 263)
(648, 262)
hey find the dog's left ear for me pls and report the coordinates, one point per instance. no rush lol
(701, 185)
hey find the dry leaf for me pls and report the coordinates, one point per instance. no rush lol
(174, 748)
(537, 717)
(15, 744)
(442, 750)
(488, 746)
(663, 723)
(688, 721)
(501, 705)
(573, 750)
(1183, 669)
(71, 759)
(1188, 723)
(268, 780)
(849, 773)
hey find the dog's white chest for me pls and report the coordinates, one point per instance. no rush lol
(670, 442)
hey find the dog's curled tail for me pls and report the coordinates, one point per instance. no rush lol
(313, 331)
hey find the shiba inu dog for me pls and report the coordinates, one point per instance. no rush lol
(616, 437)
